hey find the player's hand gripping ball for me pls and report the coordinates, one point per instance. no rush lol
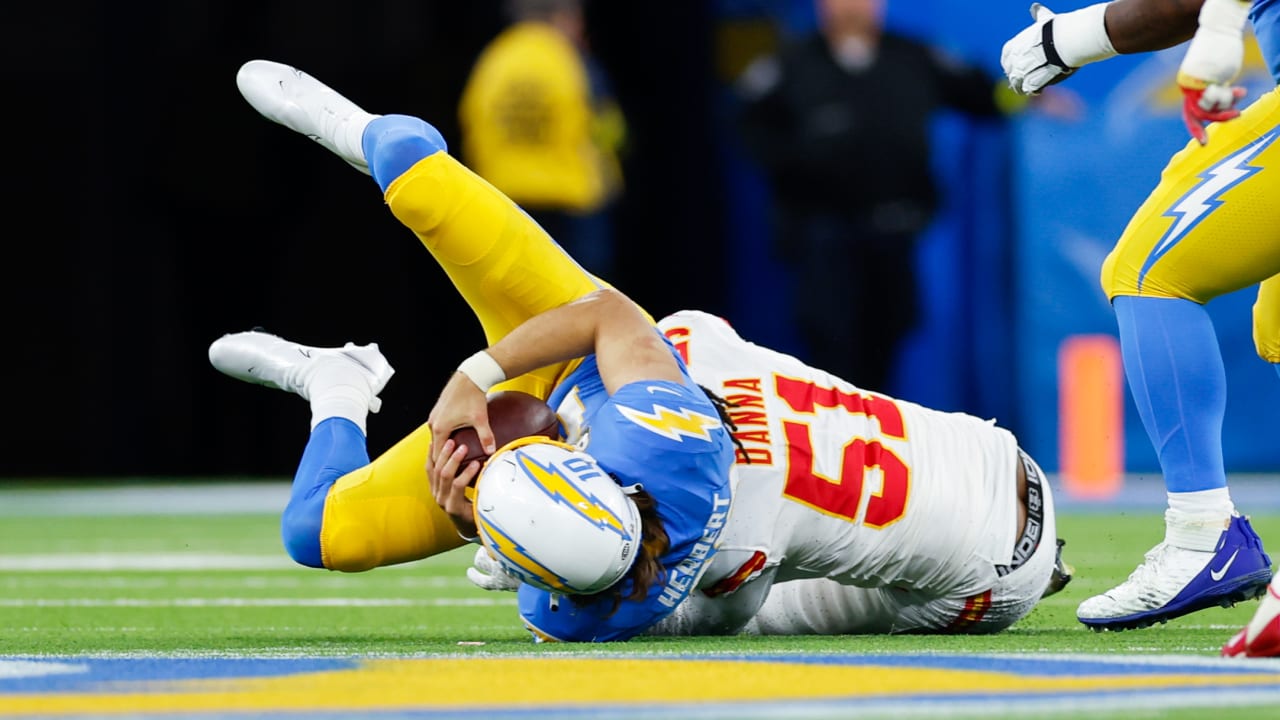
(512, 415)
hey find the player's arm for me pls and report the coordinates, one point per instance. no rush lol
(627, 346)
(1211, 65)
(1137, 26)
(700, 614)
(1054, 45)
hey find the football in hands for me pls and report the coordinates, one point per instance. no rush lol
(512, 415)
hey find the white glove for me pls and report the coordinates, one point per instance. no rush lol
(488, 574)
(1053, 46)
(1213, 61)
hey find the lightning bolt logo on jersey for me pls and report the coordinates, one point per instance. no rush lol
(1204, 198)
(674, 424)
(665, 437)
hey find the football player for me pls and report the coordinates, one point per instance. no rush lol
(1207, 229)
(855, 512)
(629, 408)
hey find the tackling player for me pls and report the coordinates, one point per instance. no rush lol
(1207, 229)
(555, 332)
(855, 512)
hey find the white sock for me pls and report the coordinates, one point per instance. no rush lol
(350, 135)
(1195, 520)
(339, 389)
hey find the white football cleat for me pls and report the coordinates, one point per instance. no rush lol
(1173, 581)
(303, 104)
(264, 359)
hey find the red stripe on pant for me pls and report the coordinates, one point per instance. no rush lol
(975, 608)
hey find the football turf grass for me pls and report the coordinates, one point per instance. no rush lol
(220, 585)
(116, 584)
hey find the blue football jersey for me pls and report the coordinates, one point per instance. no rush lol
(1265, 14)
(666, 437)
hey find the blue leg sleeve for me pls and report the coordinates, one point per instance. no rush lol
(1175, 372)
(336, 447)
(394, 143)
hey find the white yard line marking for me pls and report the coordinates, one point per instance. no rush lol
(313, 583)
(13, 669)
(62, 562)
(256, 602)
(193, 498)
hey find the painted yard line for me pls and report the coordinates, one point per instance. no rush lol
(405, 574)
(256, 602)
(257, 649)
(78, 562)
(311, 582)
(10, 669)
(196, 498)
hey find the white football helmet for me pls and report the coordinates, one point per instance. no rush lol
(554, 518)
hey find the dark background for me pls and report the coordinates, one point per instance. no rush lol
(150, 210)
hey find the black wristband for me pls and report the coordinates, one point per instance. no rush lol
(1051, 52)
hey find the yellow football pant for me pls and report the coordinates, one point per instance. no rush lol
(507, 270)
(1212, 225)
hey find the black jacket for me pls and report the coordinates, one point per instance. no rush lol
(838, 140)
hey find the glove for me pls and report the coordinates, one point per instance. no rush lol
(1203, 103)
(1054, 46)
(488, 574)
(1212, 63)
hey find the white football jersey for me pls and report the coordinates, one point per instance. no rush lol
(835, 481)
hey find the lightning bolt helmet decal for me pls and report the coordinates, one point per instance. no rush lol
(554, 518)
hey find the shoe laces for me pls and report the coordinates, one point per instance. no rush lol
(1146, 573)
(1162, 571)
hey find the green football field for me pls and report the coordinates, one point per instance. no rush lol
(84, 577)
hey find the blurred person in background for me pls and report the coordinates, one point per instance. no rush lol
(539, 122)
(839, 121)
(1207, 229)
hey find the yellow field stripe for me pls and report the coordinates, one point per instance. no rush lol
(453, 683)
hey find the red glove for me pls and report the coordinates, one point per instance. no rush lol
(1203, 103)
(1212, 63)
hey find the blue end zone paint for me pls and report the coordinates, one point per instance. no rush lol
(1112, 684)
(98, 671)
